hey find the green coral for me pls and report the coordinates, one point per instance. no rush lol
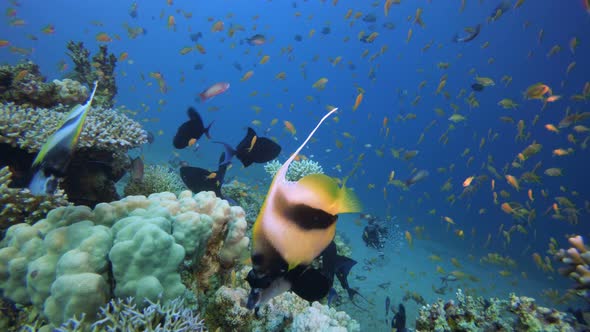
(101, 69)
(297, 169)
(156, 179)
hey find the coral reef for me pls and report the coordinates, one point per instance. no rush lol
(479, 314)
(156, 179)
(123, 315)
(577, 260)
(250, 200)
(71, 262)
(23, 84)
(286, 312)
(19, 205)
(101, 69)
(99, 160)
(297, 169)
(104, 129)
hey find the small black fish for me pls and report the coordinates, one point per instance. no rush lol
(387, 304)
(252, 149)
(399, 320)
(199, 179)
(199, 66)
(370, 18)
(193, 128)
(137, 169)
(477, 87)
(196, 36)
(238, 66)
(150, 137)
(256, 40)
(326, 30)
(298, 38)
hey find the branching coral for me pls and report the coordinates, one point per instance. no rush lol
(124, 315)
(577, 260)
(479, 314)
(156, 179)
(102, 69)
(297, 169)
(19, 205)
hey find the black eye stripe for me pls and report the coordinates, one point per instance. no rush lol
(309, 218)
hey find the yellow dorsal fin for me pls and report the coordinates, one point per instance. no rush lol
(329, 195)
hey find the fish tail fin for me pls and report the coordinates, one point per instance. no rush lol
(348, 201)
(229, 153)
(207, 130)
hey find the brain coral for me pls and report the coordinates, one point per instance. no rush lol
(104, 129)
(72, 261)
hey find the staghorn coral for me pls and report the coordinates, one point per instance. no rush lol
(156, 179)
(124, 315)
(104, 129)
(479, 314)
(18, 205)
(577, 260)
(297, 169)
(102, 69)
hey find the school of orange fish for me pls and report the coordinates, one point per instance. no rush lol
(516, 188)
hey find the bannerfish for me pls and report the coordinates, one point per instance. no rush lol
(199, 179)
(296, 223)
(214, 90)
(252, 149)
(56, 154)
(191, 129)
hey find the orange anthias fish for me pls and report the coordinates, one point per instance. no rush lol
(103, 37)
(290, 127)
(357, 102)
(468, 181)
(214, 90)
(296, 223)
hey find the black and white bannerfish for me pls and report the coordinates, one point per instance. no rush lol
(55, 155)
(295, 225)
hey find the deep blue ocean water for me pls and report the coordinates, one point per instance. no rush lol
(514, 47)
